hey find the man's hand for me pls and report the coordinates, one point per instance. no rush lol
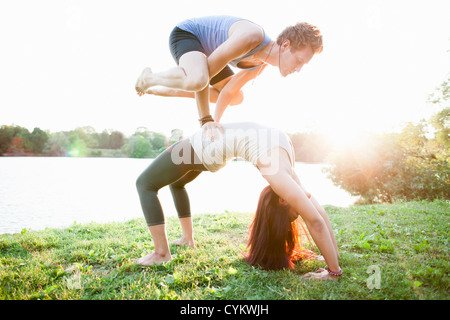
(212, 131)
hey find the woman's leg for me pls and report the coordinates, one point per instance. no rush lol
(162, 252)
(183, 206)
(160, 173)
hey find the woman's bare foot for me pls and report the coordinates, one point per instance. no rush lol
(184, 242)
(143, 82)
(153, 258)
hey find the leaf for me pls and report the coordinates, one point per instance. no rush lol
(365, 245)
(176, 276)
(417, 284)
(51, 289)
(169, 279)
(232, 270)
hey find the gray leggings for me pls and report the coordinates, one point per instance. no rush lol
(162, 172)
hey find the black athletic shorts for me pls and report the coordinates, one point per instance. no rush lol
(181, 42)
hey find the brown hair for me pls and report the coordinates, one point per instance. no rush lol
(275, 242)
(301, 35)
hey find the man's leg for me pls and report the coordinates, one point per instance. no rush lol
(190, 75)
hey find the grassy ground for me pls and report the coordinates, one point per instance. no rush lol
(394, 252)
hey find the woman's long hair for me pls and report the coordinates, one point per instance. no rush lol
(275, 241)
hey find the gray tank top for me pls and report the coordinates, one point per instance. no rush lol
(212, 31)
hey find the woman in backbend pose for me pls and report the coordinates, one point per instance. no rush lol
(203, 48)
(273, 239)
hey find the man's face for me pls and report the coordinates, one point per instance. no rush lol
(293, 61)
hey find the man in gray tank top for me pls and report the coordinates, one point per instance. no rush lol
(204, 47)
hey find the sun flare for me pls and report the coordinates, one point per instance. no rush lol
(345, 138)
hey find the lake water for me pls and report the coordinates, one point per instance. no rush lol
(39, 192)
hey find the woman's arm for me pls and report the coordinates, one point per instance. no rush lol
(279, 175)
(231, 92)
(288, 190)
(319, 209)
(324, 215)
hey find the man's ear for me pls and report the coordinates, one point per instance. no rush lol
(282, 201)
(286, 44)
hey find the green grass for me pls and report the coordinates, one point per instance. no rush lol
(408, 242)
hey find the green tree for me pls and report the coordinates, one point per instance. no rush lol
(441, 123)
(58, 144)
(67, 143)
(103, 140)
(18, 145)
(441, 95)
(88, 135)
(158, 141)
(175, 136)
(139, 147)
(38, 140)
(394, 167)
(406, 166)
(441, 120)
(8, 133)
(116, 140)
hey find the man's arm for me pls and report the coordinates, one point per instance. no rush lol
(232, 90)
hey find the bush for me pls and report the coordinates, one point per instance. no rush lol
(138, 147)
(394, 167)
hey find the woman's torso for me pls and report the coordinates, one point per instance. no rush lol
(246, 140)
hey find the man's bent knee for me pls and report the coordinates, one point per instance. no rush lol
(197, 83)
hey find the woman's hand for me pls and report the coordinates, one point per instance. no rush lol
(320, 274)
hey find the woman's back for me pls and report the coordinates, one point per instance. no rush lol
(246, 140)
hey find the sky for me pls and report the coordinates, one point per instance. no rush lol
(67, 64)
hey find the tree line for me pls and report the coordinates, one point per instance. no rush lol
(82, 142)
(143, 143)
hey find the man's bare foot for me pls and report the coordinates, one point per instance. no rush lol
(320, 274)
(143, 83)
(152, 259)
(318, 258)
(184, 242)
